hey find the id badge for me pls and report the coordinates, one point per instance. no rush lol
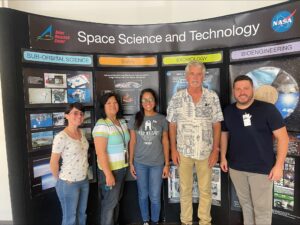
(247, 119)
(126, 156)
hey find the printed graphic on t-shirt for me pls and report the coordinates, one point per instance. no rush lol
(148, 131)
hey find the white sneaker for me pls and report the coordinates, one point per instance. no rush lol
(146, 223)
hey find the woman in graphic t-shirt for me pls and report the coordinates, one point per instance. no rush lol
(149, 154)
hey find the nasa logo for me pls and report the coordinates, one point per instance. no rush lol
(283, 21)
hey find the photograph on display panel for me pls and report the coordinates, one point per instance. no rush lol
(175, 81)
(44, 87)
(41, 139)
(128, 85)
(41, 120)
(174, 190)
(277, 82)
(55, 80)
(41, 179)
(294, 144)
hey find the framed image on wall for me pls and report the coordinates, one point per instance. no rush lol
(55, 88)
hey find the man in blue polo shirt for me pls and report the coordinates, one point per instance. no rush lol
(250, 126)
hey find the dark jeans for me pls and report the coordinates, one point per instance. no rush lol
(109, 198)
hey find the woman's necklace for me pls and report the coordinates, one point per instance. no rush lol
(115, 122)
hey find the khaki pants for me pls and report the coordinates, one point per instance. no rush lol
(186, 185)
(254, 192)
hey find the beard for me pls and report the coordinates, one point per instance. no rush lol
(244, 101)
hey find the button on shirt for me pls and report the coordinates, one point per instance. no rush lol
(194, 122)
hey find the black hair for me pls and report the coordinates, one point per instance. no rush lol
(71, 106)
(139, 116)
(242, 77)
(102, 101)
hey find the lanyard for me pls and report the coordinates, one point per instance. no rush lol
(122, 133)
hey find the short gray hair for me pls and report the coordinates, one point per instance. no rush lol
(195, 63)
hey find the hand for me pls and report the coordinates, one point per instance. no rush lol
(175, 157)
(110, 180)
(213, 158)
(223, 165)
(276, 173)
(132, 170)
(166, 172)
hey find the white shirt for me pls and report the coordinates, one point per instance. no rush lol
(194, 122)
(74, 154)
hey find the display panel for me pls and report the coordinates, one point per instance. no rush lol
(277, 82)
(52, 88)
(175, 80)
(128, 85)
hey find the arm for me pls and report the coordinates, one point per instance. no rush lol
(132, 143)
(224, 144)
(214, 155)
(282, 147)
(174, 152)
(165, 143)
(54, 164)
(102, 157)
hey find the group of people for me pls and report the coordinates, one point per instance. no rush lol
(195, 131)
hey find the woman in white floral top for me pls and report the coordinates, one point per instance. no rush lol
(72, 186)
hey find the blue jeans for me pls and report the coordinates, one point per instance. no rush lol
(110, 198)
(149, 180)
(73, 197)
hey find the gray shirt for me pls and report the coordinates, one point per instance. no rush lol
(148, 148)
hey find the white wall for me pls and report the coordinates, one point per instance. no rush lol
(5, 201)
(116, 12)
(5, 204)
(137, 12)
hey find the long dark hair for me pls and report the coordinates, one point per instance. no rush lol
(71, 106)
(102, 101)
(139, 116)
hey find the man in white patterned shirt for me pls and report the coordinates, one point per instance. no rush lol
(195, 115)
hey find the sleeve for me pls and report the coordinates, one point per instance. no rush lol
(217, 111)
(171, 113)
(274, 118)
(59, 143)
(223, 126)
(100, 129)
(227, 111)
(165, 124)
(131, 123)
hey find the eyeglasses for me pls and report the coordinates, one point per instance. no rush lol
(148, 100)
(77, 113)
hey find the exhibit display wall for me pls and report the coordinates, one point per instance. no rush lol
(47, 63)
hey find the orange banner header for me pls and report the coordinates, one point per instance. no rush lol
(127, 61)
